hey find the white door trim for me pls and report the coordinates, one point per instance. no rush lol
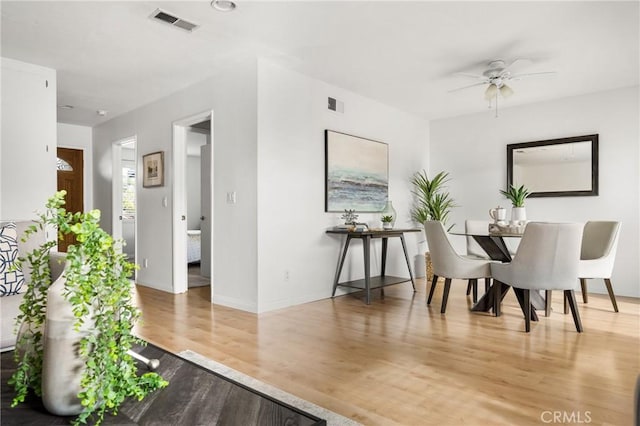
(179, 195)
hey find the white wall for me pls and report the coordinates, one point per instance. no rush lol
(80, 137)
(292, 117)
(473, 149)
(232, 95)
(28, 149)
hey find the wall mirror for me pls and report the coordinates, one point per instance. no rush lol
(556, 167)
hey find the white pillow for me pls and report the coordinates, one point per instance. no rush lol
(11, 278)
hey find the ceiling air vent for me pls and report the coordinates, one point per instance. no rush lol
(167, 18)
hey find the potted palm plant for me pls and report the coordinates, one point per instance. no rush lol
(86, 315)
(432, 202)
(517, 197)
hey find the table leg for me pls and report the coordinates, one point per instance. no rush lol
(383, 266)
(340, 264)
(537, 300)
(486, 302)
(406, 257)
(366, 241)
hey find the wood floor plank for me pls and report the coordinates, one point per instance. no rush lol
(195, 396)
(398, 361)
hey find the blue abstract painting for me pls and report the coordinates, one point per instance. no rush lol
(357, 173)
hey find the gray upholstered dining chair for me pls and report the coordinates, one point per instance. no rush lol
(547, 259)
(598, 254)
(447, 263)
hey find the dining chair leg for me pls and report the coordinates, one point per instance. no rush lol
(472, 285)
(583, 285)
(487, 284)
(434, 281)
(607, 282)
(547, 303)
(527, 310)
(571, 297)
(497, 297)
(445, 295)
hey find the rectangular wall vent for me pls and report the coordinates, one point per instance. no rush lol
(168, 18)
(336, 105)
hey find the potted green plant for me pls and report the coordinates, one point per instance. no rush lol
(432, 202)
(517, 197)
(387, 221)
(96, 290)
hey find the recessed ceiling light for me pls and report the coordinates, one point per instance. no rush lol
(223, 5)
(101, 112)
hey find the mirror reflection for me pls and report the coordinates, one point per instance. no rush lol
(558, 167)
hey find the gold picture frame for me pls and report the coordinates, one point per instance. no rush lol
(153, 169)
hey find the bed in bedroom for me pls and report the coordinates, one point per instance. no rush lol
(193, 246)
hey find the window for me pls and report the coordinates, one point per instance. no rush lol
(128, 192)
(63, 166)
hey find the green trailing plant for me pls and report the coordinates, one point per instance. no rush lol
(516, 195)
(432, 201)
(97, 286)
(386, 219)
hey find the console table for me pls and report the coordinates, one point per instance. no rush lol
(370, 282)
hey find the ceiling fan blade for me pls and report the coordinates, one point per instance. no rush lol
(517, 60)
(466, 87)
(519, 76)
(470, 75)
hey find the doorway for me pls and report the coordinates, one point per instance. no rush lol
(70, 171)
(124, 195)
(192, 202)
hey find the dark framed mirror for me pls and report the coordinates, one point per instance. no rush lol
(555, 167)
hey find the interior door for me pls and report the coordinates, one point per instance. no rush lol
(70, 178)
(205, 207)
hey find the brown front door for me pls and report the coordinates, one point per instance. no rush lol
(70, 178)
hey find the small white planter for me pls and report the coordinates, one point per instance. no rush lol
(518, 215)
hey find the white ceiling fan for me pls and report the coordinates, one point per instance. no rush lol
(496, 77)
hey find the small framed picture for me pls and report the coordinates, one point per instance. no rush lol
(153, 166)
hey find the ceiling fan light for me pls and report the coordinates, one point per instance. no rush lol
(506, 91)
(223, 5)
(491, 91)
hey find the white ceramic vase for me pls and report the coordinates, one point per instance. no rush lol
(62, 366)
(389, 211)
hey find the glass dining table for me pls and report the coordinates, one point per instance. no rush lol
(493, 243)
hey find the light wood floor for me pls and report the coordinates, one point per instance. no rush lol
(398, 361)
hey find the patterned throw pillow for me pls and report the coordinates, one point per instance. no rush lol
(11, 279)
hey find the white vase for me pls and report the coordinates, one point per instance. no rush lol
(387, 225)
(518, 215)
(62, 365)
(389, 211)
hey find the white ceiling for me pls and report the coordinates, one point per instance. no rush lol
(110, 56)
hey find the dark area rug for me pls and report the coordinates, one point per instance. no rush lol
(195, 396)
